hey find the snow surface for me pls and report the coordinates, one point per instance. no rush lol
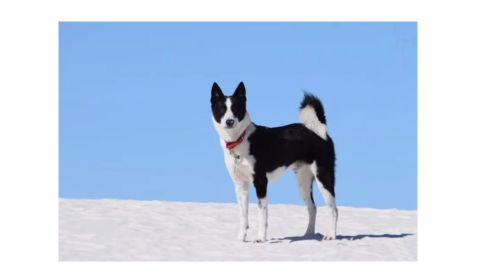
(129, 230)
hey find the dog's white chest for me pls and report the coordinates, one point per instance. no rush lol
(240, 167)
(243, 169)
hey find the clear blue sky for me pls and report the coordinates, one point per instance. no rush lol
(135, 117)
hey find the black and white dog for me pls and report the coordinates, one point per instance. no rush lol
(257, 154)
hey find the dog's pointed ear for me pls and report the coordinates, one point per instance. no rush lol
(216, 92)
(240, 91)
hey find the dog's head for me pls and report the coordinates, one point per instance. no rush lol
(229, 112)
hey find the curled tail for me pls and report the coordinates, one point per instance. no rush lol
(312, 115)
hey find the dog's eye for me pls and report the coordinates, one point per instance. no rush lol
(223, 109)
(237, 108)
(219, 110)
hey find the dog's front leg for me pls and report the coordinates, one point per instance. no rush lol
(260, 182)
(241, 189)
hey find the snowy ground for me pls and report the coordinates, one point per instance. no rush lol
(128, 230)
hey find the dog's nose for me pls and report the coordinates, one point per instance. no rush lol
(230, 122)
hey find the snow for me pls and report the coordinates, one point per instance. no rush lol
(129, 230)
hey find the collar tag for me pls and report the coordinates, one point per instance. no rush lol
(234, 155)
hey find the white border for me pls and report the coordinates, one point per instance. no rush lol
(448, 135)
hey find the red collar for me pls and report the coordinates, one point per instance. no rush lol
(232, 145)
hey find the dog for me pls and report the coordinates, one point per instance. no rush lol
(257, 155)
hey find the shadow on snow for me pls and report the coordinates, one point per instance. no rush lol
(319, 237)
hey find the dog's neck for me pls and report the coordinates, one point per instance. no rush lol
(229, 135)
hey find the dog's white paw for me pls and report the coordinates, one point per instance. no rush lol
(260, 240)
(242, 235)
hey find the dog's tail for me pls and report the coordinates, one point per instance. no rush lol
(312, 115)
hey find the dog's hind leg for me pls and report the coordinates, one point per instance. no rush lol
(304, 181)
(326, 180)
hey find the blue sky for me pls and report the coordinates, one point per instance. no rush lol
(135, 118)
